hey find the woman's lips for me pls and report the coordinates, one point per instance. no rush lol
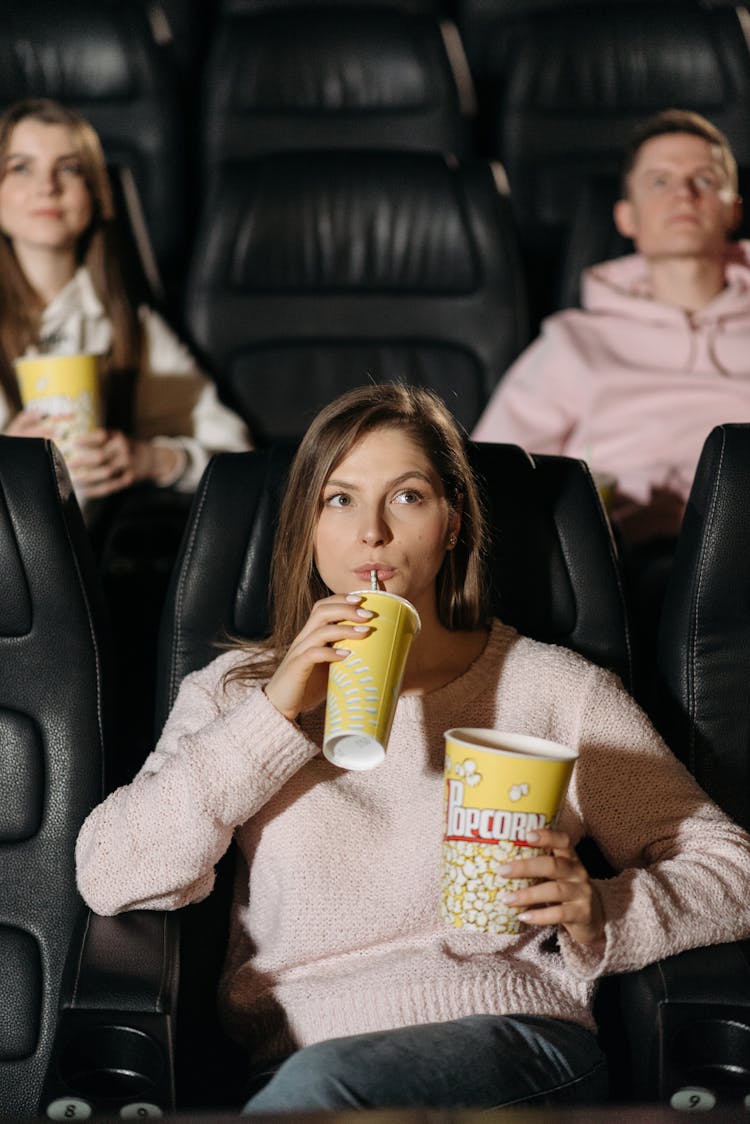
(384, 573)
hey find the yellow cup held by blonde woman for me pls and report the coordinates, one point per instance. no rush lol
(63, 387)
(498, 788)
(363, 689)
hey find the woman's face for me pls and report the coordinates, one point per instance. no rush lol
(384, 509)
(44, 200)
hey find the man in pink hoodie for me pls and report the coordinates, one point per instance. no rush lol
(660, 352)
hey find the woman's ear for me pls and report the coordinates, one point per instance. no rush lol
(454, 522)
(736, 215)
(624, 216)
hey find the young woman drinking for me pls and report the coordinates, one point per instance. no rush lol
(62, 292)
(340, 978)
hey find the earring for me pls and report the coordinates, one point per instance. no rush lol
(452, 540)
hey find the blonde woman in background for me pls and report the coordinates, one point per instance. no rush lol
(62, 292)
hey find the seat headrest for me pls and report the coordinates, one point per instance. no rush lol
(320, 270)
(296, 78)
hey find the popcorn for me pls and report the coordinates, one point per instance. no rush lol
(65, 389)
(77, 414)
(468, 902)
(500, 789)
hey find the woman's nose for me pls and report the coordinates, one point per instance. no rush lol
(374, 529)
(47, 182)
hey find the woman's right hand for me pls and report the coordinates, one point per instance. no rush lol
(28, 423)
(300, 681)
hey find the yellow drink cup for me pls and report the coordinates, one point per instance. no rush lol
(498, 787)
(363, 689)
(63, 387)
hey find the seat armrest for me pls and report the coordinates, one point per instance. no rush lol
(114, 1041)
(686, 1025)
(125, 963)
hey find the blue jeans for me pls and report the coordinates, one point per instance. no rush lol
(481, 1061)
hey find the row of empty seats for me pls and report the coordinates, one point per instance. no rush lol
(91, 1006)
(559, 88)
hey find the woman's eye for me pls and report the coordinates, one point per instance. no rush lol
(16, 166)
(339, 499)
(409, 496)
(72, 168)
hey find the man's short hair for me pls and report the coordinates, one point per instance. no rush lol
(678, 121)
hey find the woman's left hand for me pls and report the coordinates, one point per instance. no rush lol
(105, 461)
(564, 895)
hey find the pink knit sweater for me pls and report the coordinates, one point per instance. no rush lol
(335, 925)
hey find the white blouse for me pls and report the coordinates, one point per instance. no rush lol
(175, 403)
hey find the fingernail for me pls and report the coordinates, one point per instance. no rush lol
(364, 613)
(509, 899)
(342, 651)
(532, 836)
(505, 869)
(355, 598)
(525, 917)
(361, 627)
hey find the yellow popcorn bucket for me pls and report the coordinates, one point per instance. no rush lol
(498, 787)
(363, 689)
(65, 387)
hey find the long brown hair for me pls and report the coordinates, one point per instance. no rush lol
(295, 584)
(20, 306)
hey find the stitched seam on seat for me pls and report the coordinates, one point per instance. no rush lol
(696, 604)
(77, 978)
(660, 969)
(182, 581)
(614, 558)
(166, 974)
(89, 616)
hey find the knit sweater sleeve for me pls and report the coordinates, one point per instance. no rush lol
(177, 405)
(154, 843)
(685, 866)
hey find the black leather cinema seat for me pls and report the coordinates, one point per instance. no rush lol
(83, 1003)
(704, 640)
(314, 272)
(701, 1036)
(103, 59)
(329, 77)
(555, 576)
(52, 717)
(436, 7)
(591, 238)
